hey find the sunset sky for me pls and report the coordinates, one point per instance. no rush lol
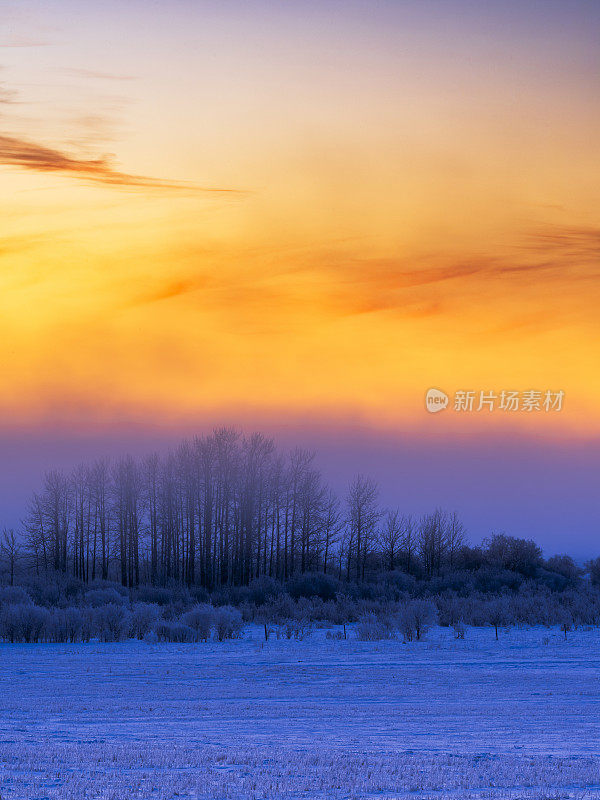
(299, 216)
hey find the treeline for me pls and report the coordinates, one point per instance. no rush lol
(67, 610)
(225, 510)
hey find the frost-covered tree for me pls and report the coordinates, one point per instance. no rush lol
(363, 516)
(498, 613)
(10, 551)
(389, 538)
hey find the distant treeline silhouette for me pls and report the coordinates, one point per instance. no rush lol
(224, 510)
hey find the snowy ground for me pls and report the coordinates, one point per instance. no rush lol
(313, 719)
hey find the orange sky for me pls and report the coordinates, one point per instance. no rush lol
(320, 211)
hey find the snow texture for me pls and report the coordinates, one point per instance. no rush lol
(319, 718)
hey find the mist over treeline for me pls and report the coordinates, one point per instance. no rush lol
(225, 510)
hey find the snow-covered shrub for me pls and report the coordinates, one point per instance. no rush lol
(459, 630)
(142, 619)
(593, 569)
(302, 629)
(34, 623)
(48, 594)
(13, 595)
(263, 589)
(475, 611)
(23, 622)
(491, 580)
(103, 597)
(111, 622)
(284, 630)
(584, 608)
(346, 610)
(326, 611)
(279, 609)
(228, 623)
(293, 629)
(498, 613)
(313, 584)
(10, 623)
(173, 632)
(372, 627)
(524, 609)
(395, 585)
(67, 625)
(248, 611)
(158, 595)
(415, 618)
(449, 611)
(200, 619)
(174, 610)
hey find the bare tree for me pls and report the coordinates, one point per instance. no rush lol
(408, 542)
(38, 542)
(99, 483)
(56, 504)
(363, 516)
(497, 613)
(330, 528)
(220, 509)
(432, 538)
(11, 551)
(390, 538)
(455, 538)
(128, 510)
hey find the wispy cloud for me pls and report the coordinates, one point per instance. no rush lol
(575, 243)
(23, 42)
(7, 96)
(16, 244)
(342, 285)
(170, 290)
(29, 155)
(557, 248)
(560, 257)
(90, 73)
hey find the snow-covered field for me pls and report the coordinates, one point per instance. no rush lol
(319, 718)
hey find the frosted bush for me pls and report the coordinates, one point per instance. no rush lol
(285, 629)
(459, 630)
(67, 625)
(103, 597)
(498, 614)
(23, 622)
(155, 595)
(201, 620)
(372, 628)
(279, 609)
(294, 629)
(13, 595)
(415, 618)
(228, 623)
(167, 631)
(111, 622)
(449, 611)
(143, 618)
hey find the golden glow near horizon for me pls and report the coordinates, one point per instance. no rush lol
(295, 219)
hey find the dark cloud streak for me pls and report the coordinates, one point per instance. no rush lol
(23, 153)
